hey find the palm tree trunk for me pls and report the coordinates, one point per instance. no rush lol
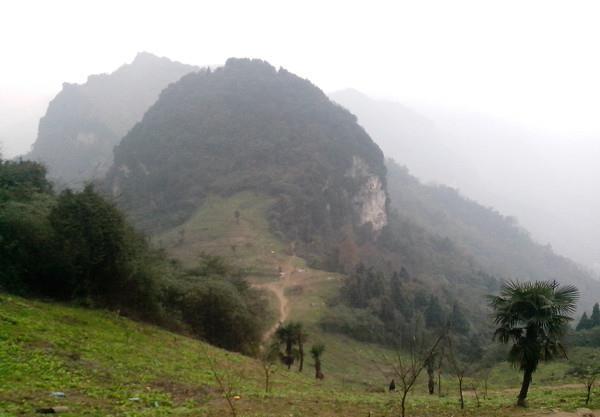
(521, 401)
(288, 352)
(460, 389)
(430, 382)
(301, 352)
(267, 379)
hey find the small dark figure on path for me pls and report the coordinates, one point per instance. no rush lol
(392, 386)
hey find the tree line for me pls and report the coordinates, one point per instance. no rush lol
(586, 323)
(78, 247)
(531, 317)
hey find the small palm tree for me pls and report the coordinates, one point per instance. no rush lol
(316, 351)
(301, 338)
(533, 315)
(286, 335)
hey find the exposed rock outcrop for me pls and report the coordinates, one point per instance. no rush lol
(370, 201)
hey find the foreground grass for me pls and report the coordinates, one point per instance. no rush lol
(350, 366)
(110, 366)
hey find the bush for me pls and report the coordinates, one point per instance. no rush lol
(359, 324)
(79, 247)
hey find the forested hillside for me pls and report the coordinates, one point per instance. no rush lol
(248, 126)
(84, 122)
(77, 247)
(496, 242)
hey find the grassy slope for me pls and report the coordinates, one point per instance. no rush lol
(100, 360)
(213, 230)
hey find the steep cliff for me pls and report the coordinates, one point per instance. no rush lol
(84, 122)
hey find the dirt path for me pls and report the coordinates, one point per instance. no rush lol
(278, 288)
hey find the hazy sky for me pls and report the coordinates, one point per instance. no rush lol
(532, 62)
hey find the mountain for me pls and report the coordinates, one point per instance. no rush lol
(249, 126)
(259, 166)
(523, 172)
(496, 242)
(84, 122)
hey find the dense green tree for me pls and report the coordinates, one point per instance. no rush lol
(399, 295)
(458, 321)
(363, 285)
(91, 237)
(220, 314)
(584, 323)
(595, 317)
(533, 316)
(434, 315)
(19, 179)
(78, 246)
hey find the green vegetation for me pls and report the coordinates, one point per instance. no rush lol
(78, 247)
(245, 241)
(496, 243)
(101, 360)
(316, 351)
(586, 323)
(237, 172)
(533, 316)
(249, 127)
(374, 308)
(586, 368)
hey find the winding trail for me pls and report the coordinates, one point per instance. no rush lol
(278, 287)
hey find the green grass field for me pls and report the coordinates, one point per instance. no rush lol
(108, 365)
(213, 229)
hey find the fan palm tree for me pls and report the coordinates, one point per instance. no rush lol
(286, 335)
(533, 315)
(316, 352)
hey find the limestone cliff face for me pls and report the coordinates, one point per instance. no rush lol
(370, 202)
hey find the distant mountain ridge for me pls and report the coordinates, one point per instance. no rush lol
(548, 180)
(496, 242)
(84, 122)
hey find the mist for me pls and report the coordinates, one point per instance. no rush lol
(507, 104)
(546, 180)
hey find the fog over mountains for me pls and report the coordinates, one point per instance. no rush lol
(89, 119)
(547, 181)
